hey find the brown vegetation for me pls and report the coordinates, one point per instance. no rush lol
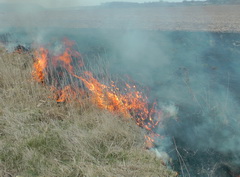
(39, 137)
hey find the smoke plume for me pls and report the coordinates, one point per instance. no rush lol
(194, 76)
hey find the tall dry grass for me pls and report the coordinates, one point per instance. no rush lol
(39, 137)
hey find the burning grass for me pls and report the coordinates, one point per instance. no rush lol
(40, 137)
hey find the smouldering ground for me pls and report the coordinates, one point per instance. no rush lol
(39, 137)
(194, 18)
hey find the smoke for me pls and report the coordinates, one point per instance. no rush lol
(194, 76)
(198, 77)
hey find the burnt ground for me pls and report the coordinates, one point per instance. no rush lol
(194, 18)
(185, 55)
(198, 72)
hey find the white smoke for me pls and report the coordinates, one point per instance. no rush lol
(199, 76)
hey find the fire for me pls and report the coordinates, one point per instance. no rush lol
(67, 94)
(61, 75)
(40, 64)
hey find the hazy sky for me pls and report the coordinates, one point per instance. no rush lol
(97, 2)
(65, 3)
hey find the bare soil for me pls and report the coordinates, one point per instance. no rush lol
(214, 18)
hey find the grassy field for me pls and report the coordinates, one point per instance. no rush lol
(191, 18)
(39, 137)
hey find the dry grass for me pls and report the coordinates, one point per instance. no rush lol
(39, 137)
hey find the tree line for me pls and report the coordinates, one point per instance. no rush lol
(223, 1)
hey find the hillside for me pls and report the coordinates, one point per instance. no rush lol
(40, 137)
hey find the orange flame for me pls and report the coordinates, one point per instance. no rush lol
(40, 65)
(130, 102)
(67, 94)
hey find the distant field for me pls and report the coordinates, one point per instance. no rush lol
(200, 18)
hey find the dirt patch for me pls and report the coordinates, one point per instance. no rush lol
(193, 18)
